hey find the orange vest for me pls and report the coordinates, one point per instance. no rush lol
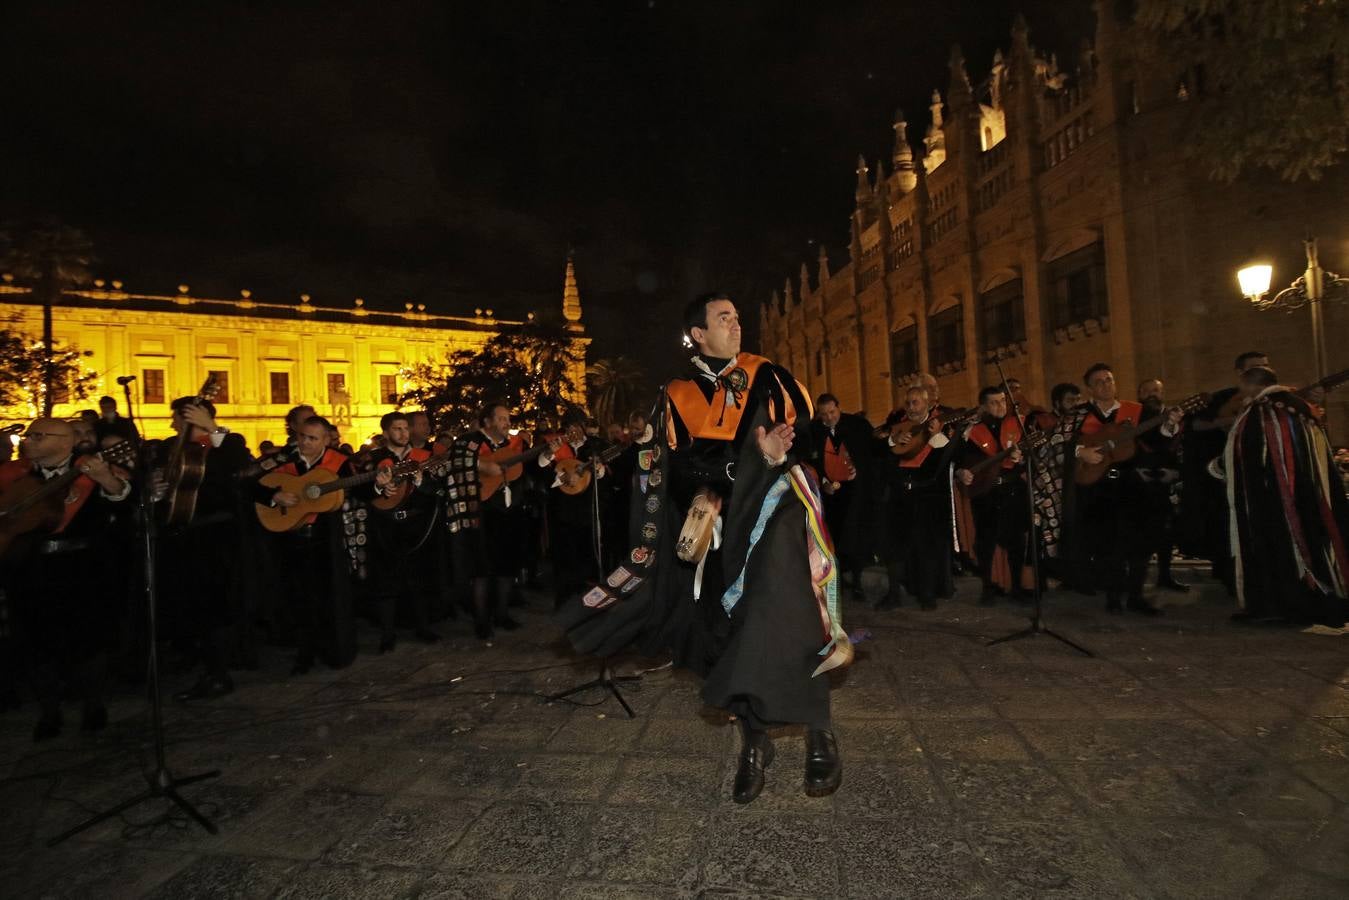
(416, 454)
(713, 418)
(982, 436)
(1128, 411)
(837, 463)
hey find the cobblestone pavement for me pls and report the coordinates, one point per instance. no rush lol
(1189, 758)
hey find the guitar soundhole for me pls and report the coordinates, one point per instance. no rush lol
(311, 492)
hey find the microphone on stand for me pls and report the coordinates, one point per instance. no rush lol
(124, 380)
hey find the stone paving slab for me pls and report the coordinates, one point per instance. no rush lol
(1189, 758)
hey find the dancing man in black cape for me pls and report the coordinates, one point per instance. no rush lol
(756, 613)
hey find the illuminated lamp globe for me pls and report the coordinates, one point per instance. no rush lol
(1254, 280)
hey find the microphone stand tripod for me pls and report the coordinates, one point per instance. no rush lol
(1036, 626)
(162, 783)
(606, 679)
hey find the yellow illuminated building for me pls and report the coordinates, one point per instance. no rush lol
(266, 356)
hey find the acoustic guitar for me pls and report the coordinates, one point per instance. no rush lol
(1117, 441)
(1233, 407)
(320, 491)
(30, 503)
(187, 465)
(574, 475)
(401, 486)
(987, 471)
(512, 466)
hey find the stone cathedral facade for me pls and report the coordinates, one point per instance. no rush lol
(1049, 217)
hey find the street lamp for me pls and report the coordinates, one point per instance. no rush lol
(1309, 289)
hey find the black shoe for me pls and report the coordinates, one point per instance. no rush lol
(426, 635)
(94, 718)
(756, 754)
(47, 727)
(505, 623)
(483, 630)
(302, 665)
(987, 597)
(824, 770)
(889, 602)
(387, 642)
(1171, 584)
(1114, 603)
(928, 605)
(206, 688)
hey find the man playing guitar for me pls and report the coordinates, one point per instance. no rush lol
(58, 583)
(1001, 516)
(405, 557)
(572, 525)
(313, 572)
(209, 541)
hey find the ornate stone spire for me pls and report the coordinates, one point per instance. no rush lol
(824, 265)
(902, 158)
(863, 194)
(934, 144)
(571, 296)
(805, 279)
(787, 292)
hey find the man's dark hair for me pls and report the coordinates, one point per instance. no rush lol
(106, 399)
(990, 391)
(317, 420)
(293, 417)
(695, 314)
(390, 417)
(179, 404)
(89, 414)
(1261, 375)
(637, 414)
(1098, 367)
(573, 417)
(1062, 390)
(418, 412)
(488, 409)
(825, 398)
(1249, 355)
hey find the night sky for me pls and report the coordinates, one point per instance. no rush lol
(451, 153)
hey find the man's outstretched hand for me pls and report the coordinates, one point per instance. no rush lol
(775, 444)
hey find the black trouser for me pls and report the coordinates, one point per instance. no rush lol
(918, 541)
(406, 565)
(1001, 519)
(203, 620)
(1117, 544)
(318, 606)
(837, 509)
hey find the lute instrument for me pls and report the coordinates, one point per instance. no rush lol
(575, 475)
(1117, 441)
(695, 538)
(908, 438)
(30, 504)
(187, 465)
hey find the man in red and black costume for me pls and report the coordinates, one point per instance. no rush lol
(758, 612)
(1105, 521)
(1157, 465)
(57, 581)
(405, 543)
(917, 525)
(575, 520)
(842, 450)
(205, 617)
(313, 569)
(1001, 514)
(485, 519)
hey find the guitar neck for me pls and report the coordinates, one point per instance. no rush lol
(1329, 383)
(529, 454)
(342, 484)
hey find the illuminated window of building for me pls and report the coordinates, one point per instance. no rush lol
(337, 387)
(1077, 281)
(152, 385)
(946, 338)
(222, 385)
(388, 389)
(904, 352)
(1002, 311)
(280, 387)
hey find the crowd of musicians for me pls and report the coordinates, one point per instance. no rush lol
(294, 544)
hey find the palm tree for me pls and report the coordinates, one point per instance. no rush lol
(615, 387)
(52, 257)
